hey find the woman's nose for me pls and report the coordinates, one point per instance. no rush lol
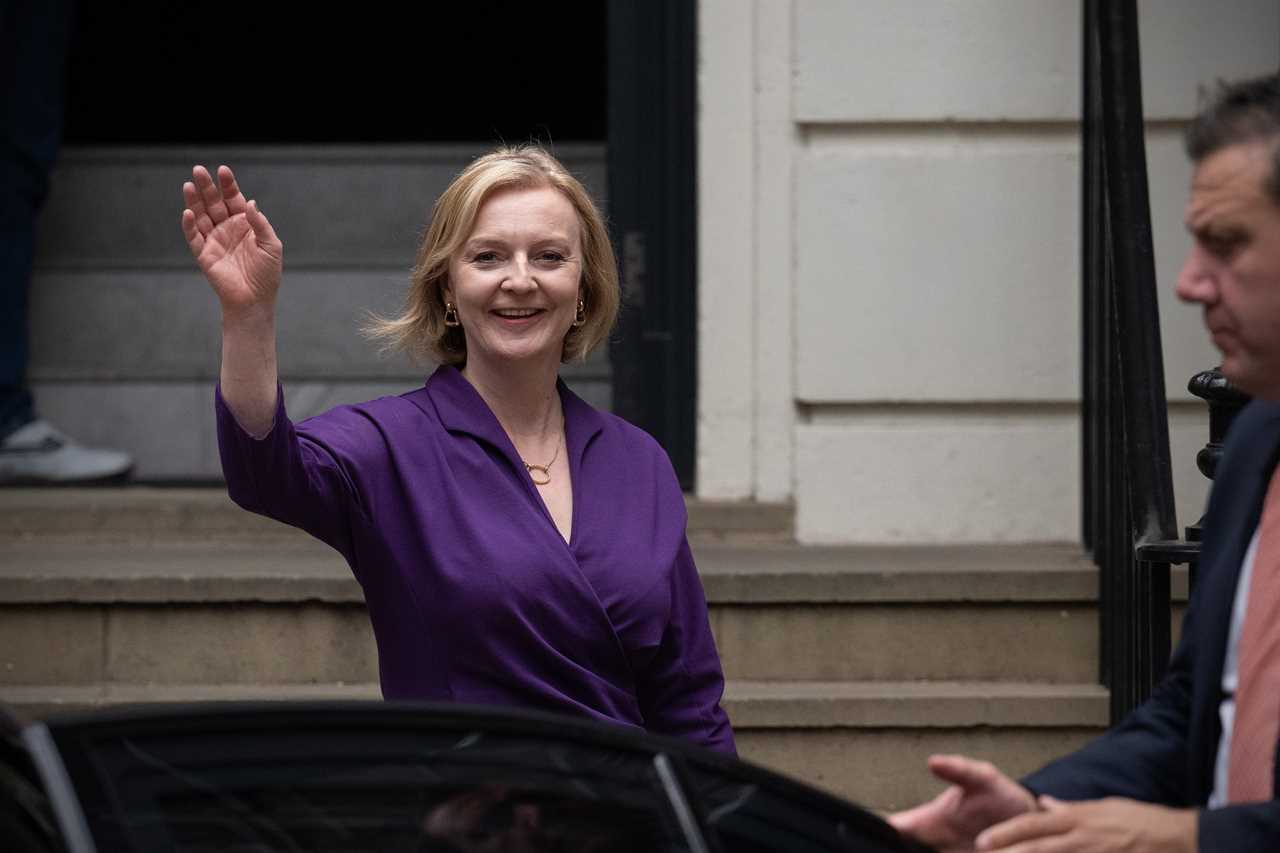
(520, 276)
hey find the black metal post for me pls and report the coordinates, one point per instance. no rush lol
(1225, 402)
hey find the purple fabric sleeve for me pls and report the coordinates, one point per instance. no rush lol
(286, 477)
(681, 692)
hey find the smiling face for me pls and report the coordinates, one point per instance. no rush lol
(1233, 268)
(515, 281)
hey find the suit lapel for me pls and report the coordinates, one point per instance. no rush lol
(1234, 508)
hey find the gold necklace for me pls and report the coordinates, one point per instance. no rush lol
(544, 469)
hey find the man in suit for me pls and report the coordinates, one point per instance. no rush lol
(1194, 768)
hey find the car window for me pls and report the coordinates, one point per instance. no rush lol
(27, 824)
(346, 789)
(749, 813)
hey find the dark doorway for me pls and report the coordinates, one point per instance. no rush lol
(155, 72)
(653, 208)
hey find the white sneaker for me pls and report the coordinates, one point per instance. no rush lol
(38, 454)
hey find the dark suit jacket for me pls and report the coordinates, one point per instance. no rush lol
(1164, 752)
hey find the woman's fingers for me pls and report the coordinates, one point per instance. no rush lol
(215, 207)
(231, 194)
(263, 232)
(195, 194)
(195, 239)
(213, 203)
(195, 203)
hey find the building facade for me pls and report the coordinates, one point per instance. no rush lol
(889, 262)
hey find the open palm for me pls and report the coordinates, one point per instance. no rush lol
(231, 240)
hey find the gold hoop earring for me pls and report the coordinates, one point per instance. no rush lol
(580, 316)
(451, 316)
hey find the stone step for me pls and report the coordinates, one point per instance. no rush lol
(244, 611)
(866, 741)
(142, 513)
(116, 207)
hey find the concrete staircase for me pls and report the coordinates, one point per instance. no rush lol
(846, 666)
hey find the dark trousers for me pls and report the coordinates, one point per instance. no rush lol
(34, 39)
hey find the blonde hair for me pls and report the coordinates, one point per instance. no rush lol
(420, 328)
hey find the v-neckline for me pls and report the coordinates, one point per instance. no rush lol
(573, 496)
(461, 408)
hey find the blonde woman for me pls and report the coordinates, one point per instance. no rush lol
(515, 546)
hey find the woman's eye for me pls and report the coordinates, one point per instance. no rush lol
(551, 257)
(485, 257)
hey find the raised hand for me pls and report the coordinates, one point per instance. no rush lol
(240, 255)
(232, 241)
(980, 796)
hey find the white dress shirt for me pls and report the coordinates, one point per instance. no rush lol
(1227, 710)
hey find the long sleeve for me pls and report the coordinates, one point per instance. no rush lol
(681, 689)
(1247, 828)
(1145, 757)
(1164, 752)
(287, 475)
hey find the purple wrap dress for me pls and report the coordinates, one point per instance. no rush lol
(473, 594)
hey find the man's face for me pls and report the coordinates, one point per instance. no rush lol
(1233, 268)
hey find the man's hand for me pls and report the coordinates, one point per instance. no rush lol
(980, 796)
(1095, 826)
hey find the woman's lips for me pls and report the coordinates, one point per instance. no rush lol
(517, 319)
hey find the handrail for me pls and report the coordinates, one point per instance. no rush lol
(1127, 477)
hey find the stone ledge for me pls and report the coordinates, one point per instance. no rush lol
(266, 569)
(864, 574)
(39, 571)
(914, 704)
(44, 573)
(131, 513)
(36, 702)
(751, 705)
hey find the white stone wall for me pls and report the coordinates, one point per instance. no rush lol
(889, 255)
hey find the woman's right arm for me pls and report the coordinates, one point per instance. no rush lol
(270, 468)
(242, 258)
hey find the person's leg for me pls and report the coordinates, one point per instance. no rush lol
(34, 39)
(16, 409)
(33, 42)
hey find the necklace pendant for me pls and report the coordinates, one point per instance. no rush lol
(543, 475)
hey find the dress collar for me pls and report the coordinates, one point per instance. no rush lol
(461, 409)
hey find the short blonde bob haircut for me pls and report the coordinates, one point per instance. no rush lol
(420, 328)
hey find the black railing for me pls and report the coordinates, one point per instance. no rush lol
(1129, 524)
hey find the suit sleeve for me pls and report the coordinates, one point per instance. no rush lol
(683, 684)
(1248, 828)
(1147, 756)
(1143, 758)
